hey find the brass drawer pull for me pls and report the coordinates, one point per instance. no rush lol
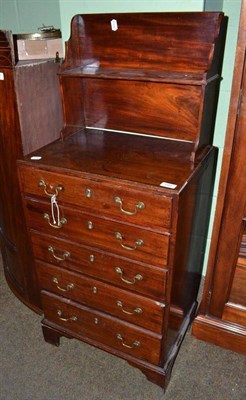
(134, 344)
(73, 318)
(56, 189)
(137, 277)
(59, 225)
(138, 242)
(137, 310)
(68, 287)
(65, 255)
(139, 206)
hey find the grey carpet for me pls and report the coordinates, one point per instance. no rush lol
(31, 369)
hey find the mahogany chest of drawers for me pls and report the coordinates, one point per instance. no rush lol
(117, 209)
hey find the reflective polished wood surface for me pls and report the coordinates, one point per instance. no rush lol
(123, 197)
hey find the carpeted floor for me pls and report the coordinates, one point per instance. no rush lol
(31, 369)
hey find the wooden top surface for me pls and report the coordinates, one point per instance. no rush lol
(113, 155)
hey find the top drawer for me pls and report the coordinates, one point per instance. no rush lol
(98, 196)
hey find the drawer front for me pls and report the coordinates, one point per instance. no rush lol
(84, 322)
(107, 298)
(115, 200)
(126, 240)
(137, 277)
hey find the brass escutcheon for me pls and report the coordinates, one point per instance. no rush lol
(90, 225)
(92, 258)
(88, 193)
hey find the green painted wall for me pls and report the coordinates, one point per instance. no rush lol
(213, 5)
(69, 8)
(26, 16)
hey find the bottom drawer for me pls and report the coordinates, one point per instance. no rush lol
(86, 322)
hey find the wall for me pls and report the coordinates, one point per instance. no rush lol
(26, 16)
(69, 8)
(213, 5)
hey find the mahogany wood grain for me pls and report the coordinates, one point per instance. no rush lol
(233, 212)
(40, 109)
(73, 110)
(133, 159)
(101, 327)
(227, 154)
(238, 292)
(192, 226)
(184, 289)
(219, 332)
(180, 44)
(158, 109)
(102, 265)
(150, 81)
(221, 318)
(93, 293)
(30, 115)
(158, 74)
(159, 375)
(13, 235)
(7, 54)
(235, 313)
(90, 230)
(99, 196)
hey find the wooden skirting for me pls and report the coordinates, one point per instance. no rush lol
(221, 333)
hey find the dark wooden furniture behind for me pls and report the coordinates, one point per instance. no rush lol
(222, 315)
(30, 117)
(118, 208)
